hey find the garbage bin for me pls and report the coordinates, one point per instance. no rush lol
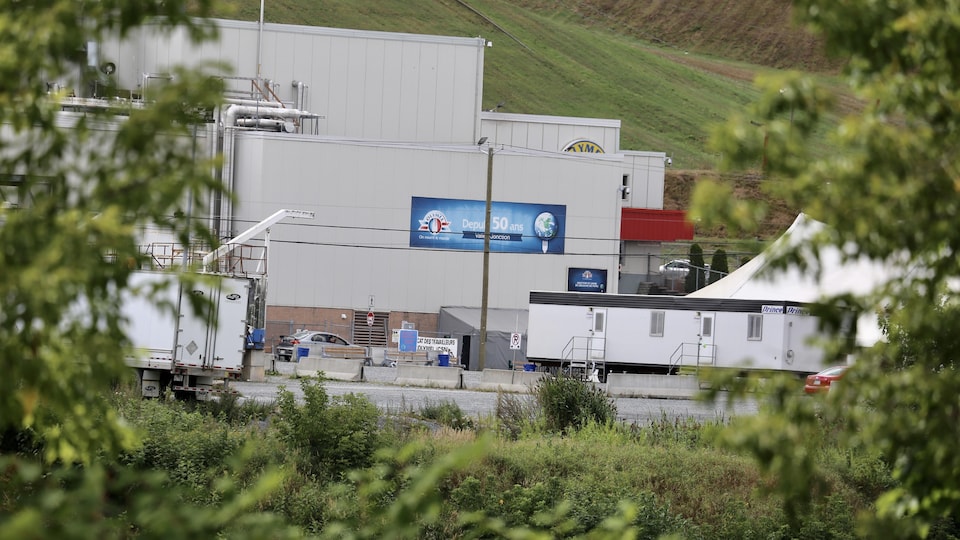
(301, 352)
(529, 367)
(443, 360)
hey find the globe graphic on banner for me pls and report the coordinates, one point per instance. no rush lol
(546, 228)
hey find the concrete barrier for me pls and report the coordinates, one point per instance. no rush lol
(653, 386)
(429, 376)
(254, 366)
(337, 369)
(509, 380)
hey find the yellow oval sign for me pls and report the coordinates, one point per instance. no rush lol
(585, 146)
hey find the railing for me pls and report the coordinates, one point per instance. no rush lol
(246, 260)
(693, 354)
(581, 357)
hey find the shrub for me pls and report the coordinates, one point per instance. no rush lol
(331, 436)
(447, 413)
(569, 404)
(191, 447)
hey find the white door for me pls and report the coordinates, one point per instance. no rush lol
(598, 334)
(706, 353)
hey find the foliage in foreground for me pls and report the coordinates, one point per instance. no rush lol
(889, 194)
(597, 481)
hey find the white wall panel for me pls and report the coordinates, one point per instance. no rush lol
(372, 85)
(646, 170)
(373, 75)
(390, 97)
(427, 93)
(359, 243)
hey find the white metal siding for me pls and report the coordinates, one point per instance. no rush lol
(359, 244)
(646, 171)
(372, 85)
(550, 133)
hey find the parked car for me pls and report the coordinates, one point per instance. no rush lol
(677, 268)
(284, 351)
(821, 382)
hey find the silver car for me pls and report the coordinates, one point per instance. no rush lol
(676, 269)
(285, 350)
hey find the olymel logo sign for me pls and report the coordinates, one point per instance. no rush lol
(435, 222)
(584, 146)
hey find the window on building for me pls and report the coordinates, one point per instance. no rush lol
(707, 327)
(656, 323)
(755, 327)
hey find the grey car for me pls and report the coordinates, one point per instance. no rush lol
(286, 349)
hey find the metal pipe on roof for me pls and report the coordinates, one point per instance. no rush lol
(253, 102)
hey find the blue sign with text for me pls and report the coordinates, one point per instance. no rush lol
(586, 280)
(408, 340)
(514, 227)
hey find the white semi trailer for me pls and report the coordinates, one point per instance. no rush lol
(192, 353)
(180, 350)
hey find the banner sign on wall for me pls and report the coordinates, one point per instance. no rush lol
(586, 280)
(514, 227)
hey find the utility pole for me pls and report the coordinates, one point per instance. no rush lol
(486, 262)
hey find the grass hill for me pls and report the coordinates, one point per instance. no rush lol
(669, 70)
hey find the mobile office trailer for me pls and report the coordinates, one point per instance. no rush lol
(661, 334)
(184, 351)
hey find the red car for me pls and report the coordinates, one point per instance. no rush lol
(821, 381)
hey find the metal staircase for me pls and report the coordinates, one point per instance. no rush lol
(583, 357)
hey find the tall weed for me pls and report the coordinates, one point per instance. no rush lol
(515, 413)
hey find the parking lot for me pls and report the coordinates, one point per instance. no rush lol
(389, 397)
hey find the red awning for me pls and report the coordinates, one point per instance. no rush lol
(647, 225)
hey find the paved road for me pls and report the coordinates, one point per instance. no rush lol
(390, 397)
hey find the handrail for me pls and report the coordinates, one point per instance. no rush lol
(702, 354)
(578, 354)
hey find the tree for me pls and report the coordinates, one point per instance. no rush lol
(718, 265)
(74, 197)
(889, 188)
(697, 276)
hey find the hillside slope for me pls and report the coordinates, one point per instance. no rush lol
(757, 32)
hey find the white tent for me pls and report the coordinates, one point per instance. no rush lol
(757, 280)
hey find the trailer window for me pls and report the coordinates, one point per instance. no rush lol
(656, 323)
(707, 327)
(755, 327)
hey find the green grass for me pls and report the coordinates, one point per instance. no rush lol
(553, 63)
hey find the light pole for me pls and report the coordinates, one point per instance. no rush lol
(484, 292)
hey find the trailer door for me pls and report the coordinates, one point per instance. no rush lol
(706, 354)
(598, 334)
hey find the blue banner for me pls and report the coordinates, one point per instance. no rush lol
(514, 227)
(586, 280)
